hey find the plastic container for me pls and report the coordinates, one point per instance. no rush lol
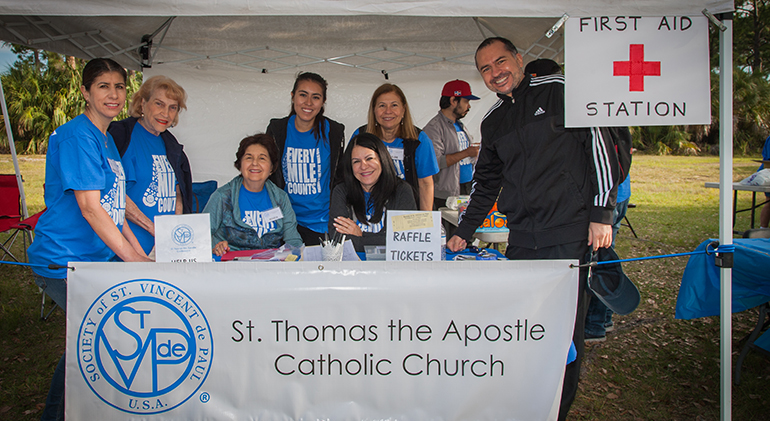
(443, 242)
(374, 252)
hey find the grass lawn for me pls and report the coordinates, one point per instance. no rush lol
(652, 367)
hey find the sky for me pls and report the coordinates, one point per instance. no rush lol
(6, 57)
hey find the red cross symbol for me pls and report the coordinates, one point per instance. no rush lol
(636, 68)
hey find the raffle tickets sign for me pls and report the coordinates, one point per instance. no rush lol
(413, 236)
(309, 340)
(637, 71)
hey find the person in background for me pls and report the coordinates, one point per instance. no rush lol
(452, 144)
(85, 199)
(599, 316)
(764, 215)
(558, 184)
(411, 149)
(542, 67)
(369, 188)
(158, 176)
(309, 149)
(251, 212)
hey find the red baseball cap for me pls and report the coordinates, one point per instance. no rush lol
(458, 88)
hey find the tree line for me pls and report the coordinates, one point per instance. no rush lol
(43, 92)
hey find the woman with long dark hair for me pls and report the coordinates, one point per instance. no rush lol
(310, 145)
(370, 188)
(412, 151)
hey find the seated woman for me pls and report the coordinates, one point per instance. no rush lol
(250, 212)
(370, 188)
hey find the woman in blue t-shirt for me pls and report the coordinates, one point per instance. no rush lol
(158, 176)
(411, 149)
(250, 212)
(309, 148)
(369, 188)
(85, 195)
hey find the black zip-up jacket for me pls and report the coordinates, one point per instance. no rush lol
(121, 133)
(554, 180)
(278, 128)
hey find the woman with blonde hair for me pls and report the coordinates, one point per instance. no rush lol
(158, 176)
(412, 151)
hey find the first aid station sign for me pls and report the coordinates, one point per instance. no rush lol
(637, 71)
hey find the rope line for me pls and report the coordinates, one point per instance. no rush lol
(727, 248)
(52, 266)
(713, 247)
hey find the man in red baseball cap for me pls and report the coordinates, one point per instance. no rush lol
(454, 147)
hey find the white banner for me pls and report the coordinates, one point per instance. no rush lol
(637, 71)
(337, 340)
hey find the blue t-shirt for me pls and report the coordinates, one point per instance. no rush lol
(253, 207)
(150, 180)
(424, 160)
(366, 227)
(466, 164)
(624, 190)
(765, 153)
(79, 157)
(307, 171)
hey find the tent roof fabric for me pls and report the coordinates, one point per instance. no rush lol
(450, 8)
(268, 44)
(276, 35)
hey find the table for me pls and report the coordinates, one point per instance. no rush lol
(498, 236)
(699, 294)
(742, 187)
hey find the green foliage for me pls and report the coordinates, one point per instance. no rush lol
(40, 97)
(664, 140)
(751, 36)
(751, 111)
(42, 92)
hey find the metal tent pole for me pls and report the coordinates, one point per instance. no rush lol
(725, 206)
(12, 146)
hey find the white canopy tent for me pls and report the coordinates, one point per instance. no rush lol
(237, 60)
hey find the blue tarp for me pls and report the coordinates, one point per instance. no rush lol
(699, 294)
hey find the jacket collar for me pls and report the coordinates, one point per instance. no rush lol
(518, 91)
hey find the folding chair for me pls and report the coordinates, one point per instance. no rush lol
(628, 223)
(26, 228)
(10, 211)
(201, 193)
(757, 233)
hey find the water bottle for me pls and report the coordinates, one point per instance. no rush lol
(443, 242)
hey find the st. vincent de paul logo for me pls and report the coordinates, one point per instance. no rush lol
(144, 347)
(182, 234)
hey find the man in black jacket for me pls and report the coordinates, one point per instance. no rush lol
(558, 184)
